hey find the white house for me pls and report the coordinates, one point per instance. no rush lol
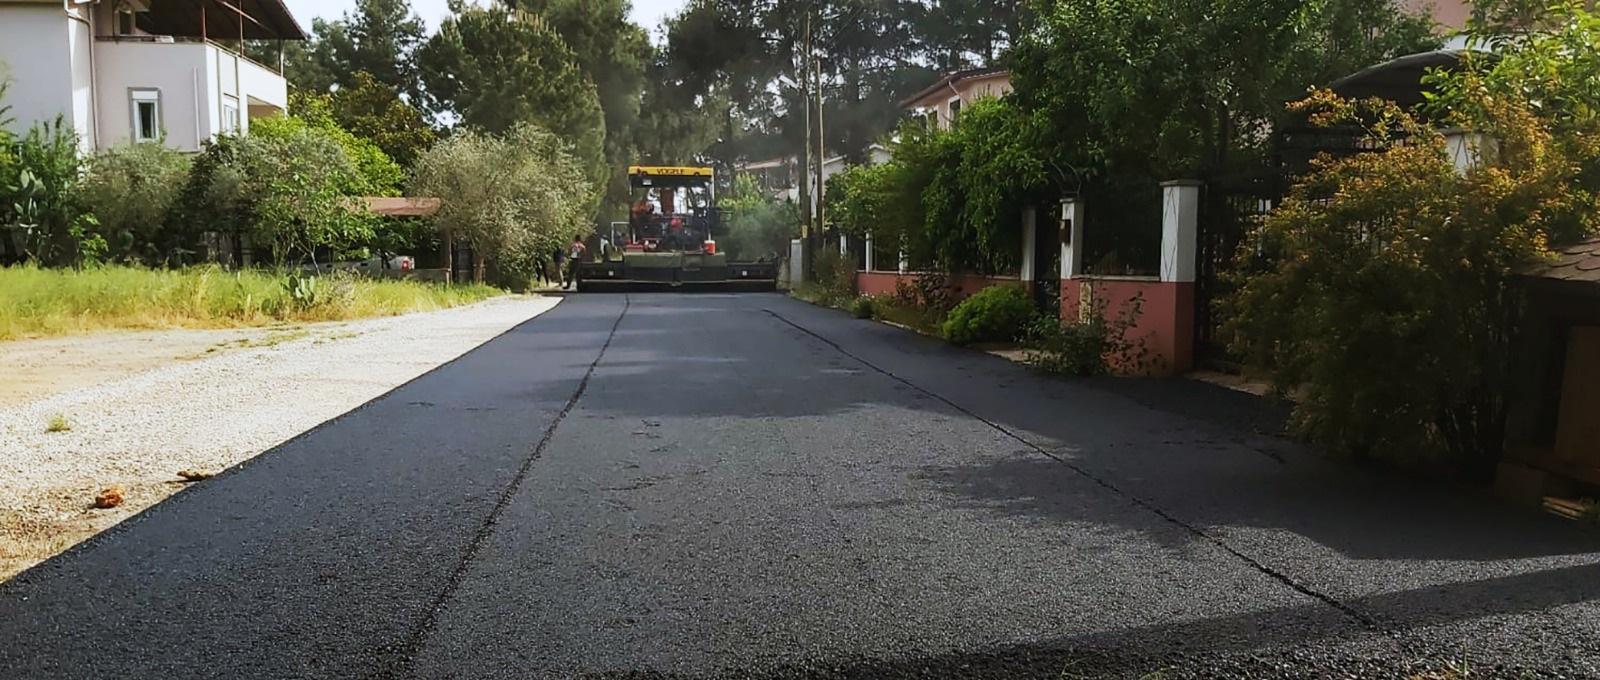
(942, 101)
(119, 71)
(779, 177)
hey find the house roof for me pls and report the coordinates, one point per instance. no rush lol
(1398, 80)
(1579, 262)
(264, 19)
(950, 80)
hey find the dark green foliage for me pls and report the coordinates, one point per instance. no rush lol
(131, 190)
(1095, 344)
(379, 38)
(497, 68)
(836, 274)
(994, 314)
(863, 307)
(756, 227)
(39, 205)
(373, 110)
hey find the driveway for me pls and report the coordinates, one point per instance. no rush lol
(655, 485)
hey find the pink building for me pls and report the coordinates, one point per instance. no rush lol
(1450, 14)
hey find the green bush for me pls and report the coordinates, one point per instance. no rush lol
(39, 204)
(131, 191)
(1094, 346)
(994, 314)
(836, 274)
(1066, 349)
(863, 307)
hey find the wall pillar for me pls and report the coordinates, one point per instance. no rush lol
(869, 252)
(1180, 238)
(1071, 237)
(905, 264)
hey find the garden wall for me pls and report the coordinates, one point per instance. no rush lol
(884, 283)
(1165, 324)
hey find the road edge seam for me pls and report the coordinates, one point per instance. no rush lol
(1366, 621)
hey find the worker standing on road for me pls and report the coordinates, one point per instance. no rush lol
(559, 260)
(574, 256)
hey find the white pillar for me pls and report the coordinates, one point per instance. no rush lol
(1029, 242)
(844, 244)
(1180, 230)
(905, 264)
(1071, 237)
(869, 252)
(797, 262)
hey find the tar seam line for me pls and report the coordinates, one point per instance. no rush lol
(404, 665)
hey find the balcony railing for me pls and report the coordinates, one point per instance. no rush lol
(186, 40)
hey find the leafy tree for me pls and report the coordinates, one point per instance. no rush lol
(494, 68)
(379, 37)
(131, 191)
(286, 188)
(514, 198)
(940, 199)
(376, 174)
(757, 227)
(1163, 88)
(296, 182)
(312, 64)
(1382, 286)
(373, 110)
(614, 53)
(962, 34)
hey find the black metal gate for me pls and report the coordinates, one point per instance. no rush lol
(1231, 207)
(1047, 262)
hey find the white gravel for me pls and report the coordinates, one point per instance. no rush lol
(208, 415)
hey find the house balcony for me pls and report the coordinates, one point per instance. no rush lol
(183, 91)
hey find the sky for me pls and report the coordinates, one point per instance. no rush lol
(646, 13)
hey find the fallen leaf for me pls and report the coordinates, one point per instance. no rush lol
(109, 498)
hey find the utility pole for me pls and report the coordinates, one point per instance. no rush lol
(806, 230)
(805, 169)
(822, 161)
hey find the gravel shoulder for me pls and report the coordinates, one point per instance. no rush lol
(144, 406)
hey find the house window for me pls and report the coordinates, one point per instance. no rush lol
(955, 110)
(146, 115)
(230, 115)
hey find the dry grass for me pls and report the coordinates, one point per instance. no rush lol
(48, 302)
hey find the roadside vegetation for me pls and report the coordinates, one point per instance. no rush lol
(36, 302)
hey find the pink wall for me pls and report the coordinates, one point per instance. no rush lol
(1166, 324)
(883, 283)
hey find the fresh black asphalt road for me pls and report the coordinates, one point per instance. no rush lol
(736, 486)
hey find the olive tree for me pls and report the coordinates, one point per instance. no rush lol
(514, 198)
(131, 191)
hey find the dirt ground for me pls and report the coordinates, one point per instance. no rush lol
(37, 369)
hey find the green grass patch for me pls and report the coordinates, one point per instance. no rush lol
(38, 302)
(58, 423)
